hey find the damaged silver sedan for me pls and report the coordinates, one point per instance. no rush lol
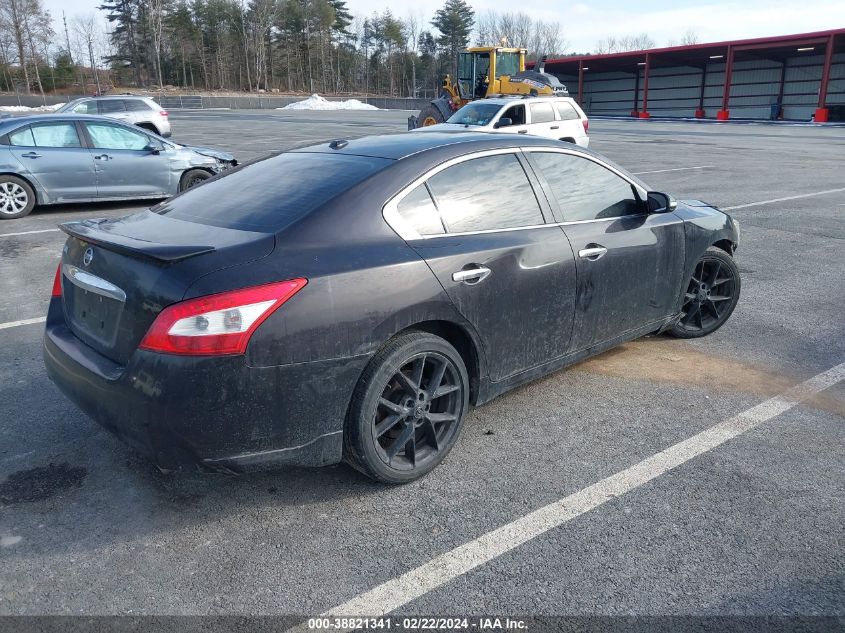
(51, 159)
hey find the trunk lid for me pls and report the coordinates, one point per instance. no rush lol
(117, 275)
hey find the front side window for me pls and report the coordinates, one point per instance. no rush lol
(471, 196)
(109, 106)
(113, 137)
(586, 190)
(516, 114)
(542, 112)
(86, 107)
(55, 135)
(418, 210)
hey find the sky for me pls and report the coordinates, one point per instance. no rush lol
(585, 23)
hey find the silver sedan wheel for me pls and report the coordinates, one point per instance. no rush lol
(13, 198)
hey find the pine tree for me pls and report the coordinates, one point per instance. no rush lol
(454, 21)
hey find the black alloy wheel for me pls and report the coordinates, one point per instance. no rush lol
(408, 410)
(710, 296)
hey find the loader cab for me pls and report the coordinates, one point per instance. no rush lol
(473, 74)
(480, 68)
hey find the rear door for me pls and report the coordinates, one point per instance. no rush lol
(542, 120)
(478, 224)
(629, 261)
(125, 169)
(571, 124)
(53, 154)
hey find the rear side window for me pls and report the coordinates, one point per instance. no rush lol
(271, 194)
(55, 135)
(586, 190)
(135, 105)
(107, 106)
(418, 210)
(485, 193)
(22, 137)
(566, 111)
(542, 112)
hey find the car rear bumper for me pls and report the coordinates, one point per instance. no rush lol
(215, 412)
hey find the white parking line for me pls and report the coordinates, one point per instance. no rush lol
(401, 590)
(27, 232)
(773, 200)
(9, 324)
(660, 171)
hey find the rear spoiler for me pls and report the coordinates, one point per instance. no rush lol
(91, 232)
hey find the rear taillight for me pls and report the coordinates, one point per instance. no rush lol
(163, 113)
(57, 282)
(217, 324)
(586, 123)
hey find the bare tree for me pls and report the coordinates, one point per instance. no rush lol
(625, 43)
(85, 27)
(689, 38)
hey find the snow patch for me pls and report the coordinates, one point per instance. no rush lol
(44, 108)
(316, 102)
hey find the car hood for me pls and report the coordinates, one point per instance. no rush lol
(212, 153)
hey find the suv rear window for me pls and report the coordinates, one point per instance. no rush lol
(271, 194)
(107, 106)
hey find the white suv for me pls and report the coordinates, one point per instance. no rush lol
(552, 117)
(140, 111)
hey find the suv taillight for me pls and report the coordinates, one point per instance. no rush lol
(217, 324)
(163, 113)
(586, 123)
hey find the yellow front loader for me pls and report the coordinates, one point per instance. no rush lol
(487, 71)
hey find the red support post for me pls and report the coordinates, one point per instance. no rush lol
(581, 82)
(724, 113)
(644, 112)
(822, 113)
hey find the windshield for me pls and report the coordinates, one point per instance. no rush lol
(475, 114)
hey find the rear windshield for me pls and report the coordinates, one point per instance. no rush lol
(271, 194)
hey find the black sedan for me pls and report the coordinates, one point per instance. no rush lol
(351, 300)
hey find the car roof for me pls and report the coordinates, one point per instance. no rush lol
(458, 143)
(517, 98)
(105, 97)
(65, 116)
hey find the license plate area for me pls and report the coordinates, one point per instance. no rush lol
(94, 307)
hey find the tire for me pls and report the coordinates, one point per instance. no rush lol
(394, 434)
(192, 178)
(17, 197)
(709, 296)
(429, 115)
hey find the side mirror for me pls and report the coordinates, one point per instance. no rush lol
(660, 202)
(504, 122)
(153, 148)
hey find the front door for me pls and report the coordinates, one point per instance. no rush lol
(54, 156)
(507, 272)
(629, 261)
(126, 167)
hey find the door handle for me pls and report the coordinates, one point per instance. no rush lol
(31, 155)
(554, 127)
(593, 253)
(102, 157)
(471, 275)
(522, 131)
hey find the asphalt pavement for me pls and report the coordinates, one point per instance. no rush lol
(751, 526)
